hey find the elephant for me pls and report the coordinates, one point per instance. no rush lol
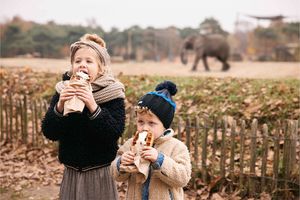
(213, 45)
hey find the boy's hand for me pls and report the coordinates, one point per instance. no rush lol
(149, 153)
(127, 158)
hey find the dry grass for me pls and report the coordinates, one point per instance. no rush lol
(268, 70)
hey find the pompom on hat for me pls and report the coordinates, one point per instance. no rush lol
(160, 102)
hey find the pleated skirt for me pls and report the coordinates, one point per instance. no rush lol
(95, 184)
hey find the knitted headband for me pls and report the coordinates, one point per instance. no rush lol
(101, 51)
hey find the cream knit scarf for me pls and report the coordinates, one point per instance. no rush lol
(105, 88)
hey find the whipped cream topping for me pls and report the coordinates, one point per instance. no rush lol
(142, 137)
(83, 75)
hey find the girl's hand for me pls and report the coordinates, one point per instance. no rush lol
(149, 153)
(87, 97)
(127, 158)
(66, 94)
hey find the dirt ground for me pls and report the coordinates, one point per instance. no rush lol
(38, 192)
(261, 70)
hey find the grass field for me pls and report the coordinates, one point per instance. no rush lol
(265, 99)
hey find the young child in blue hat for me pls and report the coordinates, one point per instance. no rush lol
(170, 166)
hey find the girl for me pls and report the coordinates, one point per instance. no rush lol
(87, 140)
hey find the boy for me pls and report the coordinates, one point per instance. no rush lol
(170, 166)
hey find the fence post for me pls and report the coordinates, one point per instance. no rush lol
(289, 154)
(36, 121)
(223, 148)
(196, 142)
(33, 133)
(293, 150)
(276, 159)
(17, 109)
(242, 153)
(22, 120)
(45, 105)
(1, 119)
(195, 166)
(232, 150)
(25, 122)
(7, 119)
(252, 157)
(43, 112)
(265, 148)
(214, 144)
(188, 133)
(179, 128)
(293, 142)
(286, 158)
(38, 116)
(204, 151)
(131, 127)
(44, 108)
(11, 116)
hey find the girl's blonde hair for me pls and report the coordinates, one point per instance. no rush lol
(95, 38)
(96, 43)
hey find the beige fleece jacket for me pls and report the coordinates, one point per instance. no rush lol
(166, 182)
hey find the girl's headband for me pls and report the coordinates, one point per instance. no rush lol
(101, 51)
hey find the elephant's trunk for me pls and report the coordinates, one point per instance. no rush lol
(183, 57)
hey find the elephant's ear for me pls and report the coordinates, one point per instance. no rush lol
(189, 42)
(188, 45)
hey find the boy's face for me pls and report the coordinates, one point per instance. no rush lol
(85, 60)
(147, 121)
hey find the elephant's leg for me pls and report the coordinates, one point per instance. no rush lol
(196, 61)
(205, 63)
(226, 66)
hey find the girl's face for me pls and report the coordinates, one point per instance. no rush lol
(149, 122)
(86, 60)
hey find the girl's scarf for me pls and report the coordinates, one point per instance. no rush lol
(105, 88)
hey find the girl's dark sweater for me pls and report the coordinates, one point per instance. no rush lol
(84, 142)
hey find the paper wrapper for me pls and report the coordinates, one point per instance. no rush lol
(140, 165)
(75, 104)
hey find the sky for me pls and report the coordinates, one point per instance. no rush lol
(123, 14)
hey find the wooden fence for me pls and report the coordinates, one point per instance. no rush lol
(20, 119)
(249, 157)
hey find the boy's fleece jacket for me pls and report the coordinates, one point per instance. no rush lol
(166, 182)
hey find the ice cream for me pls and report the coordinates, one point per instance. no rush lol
(82, 76)
(143, 138)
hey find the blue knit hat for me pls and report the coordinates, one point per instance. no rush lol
(160, 102)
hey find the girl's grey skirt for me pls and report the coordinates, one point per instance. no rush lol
(94, 184)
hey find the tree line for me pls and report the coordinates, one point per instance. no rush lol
(20, 38)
